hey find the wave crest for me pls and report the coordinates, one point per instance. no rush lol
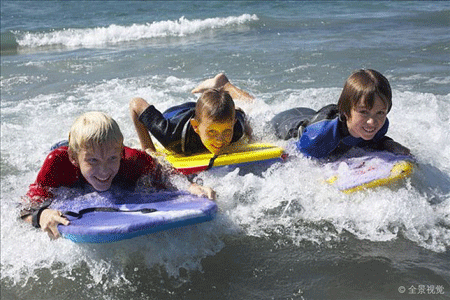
(115, 34)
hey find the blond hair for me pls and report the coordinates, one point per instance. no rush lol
(93, 129)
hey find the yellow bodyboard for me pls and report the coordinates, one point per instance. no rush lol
(234, 155)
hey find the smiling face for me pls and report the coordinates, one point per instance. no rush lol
(364, 122)
(99, 165)
(214, 135)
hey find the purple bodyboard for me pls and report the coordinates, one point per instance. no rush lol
(106, 218)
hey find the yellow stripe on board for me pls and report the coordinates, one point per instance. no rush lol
(399, 170)
(234, 154)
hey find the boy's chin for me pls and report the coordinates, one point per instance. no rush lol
(368, 137)
(102, 188)
(214, 150)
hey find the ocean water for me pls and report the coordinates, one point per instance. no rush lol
(281, 233)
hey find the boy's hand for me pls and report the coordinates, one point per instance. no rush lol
(204, 191)
(396, 148)
(49, 221)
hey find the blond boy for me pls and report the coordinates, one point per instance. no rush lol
(96, 158)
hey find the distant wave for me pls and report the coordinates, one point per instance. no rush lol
(113, 34)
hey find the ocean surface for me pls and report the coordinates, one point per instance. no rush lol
(281, 233)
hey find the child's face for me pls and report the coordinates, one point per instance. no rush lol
(364, 122)
(215, 136)
(99, 165)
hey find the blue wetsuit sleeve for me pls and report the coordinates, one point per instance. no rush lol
(319, 139)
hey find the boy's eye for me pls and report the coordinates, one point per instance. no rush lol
(114, 158)
(228, 133)
(212, 133)
(92, 160)
(363, 112)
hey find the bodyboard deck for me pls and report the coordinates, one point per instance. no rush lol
(234, 156)
(368, 170)
(106, 219)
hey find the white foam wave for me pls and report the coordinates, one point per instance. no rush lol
(114, 34)
(288, 201)
(292, 202)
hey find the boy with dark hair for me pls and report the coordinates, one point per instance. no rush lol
(358, 120)
(210, 124)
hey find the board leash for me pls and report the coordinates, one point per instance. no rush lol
(211, 162)
(80, 214)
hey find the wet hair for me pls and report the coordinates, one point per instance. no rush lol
(362, 86)
(215, 104)
(92, 129)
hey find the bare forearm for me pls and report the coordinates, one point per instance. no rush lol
(397, 148)
(144, 137)
(221, 81)
(237, 94)
(137, 106)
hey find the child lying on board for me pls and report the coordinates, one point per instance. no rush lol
(97, 158)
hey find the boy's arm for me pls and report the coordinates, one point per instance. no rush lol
(394, 147)
(221, 81)
(319, 139)
(241, 117)
(148, 119)
(47, 219)
(162, 178)
(137, 106)
(248, 130)
(203, 191)
(237, 94)
(386, 143)
(55, 172)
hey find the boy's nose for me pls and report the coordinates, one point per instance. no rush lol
(371, 121)
(103, 169)
(220, 138)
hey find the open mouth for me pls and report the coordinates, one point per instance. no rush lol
(103, 180)
(369, 130)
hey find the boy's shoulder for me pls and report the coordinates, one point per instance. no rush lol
(132, 153)
(183, 111)
(136, 158)
(58, 155)
(174, 115)
(135, 163)
(57, 169)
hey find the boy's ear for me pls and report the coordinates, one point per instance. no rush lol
(194, 124)
(73, 157)
(343, 116)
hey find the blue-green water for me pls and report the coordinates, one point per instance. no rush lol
(281, 234)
